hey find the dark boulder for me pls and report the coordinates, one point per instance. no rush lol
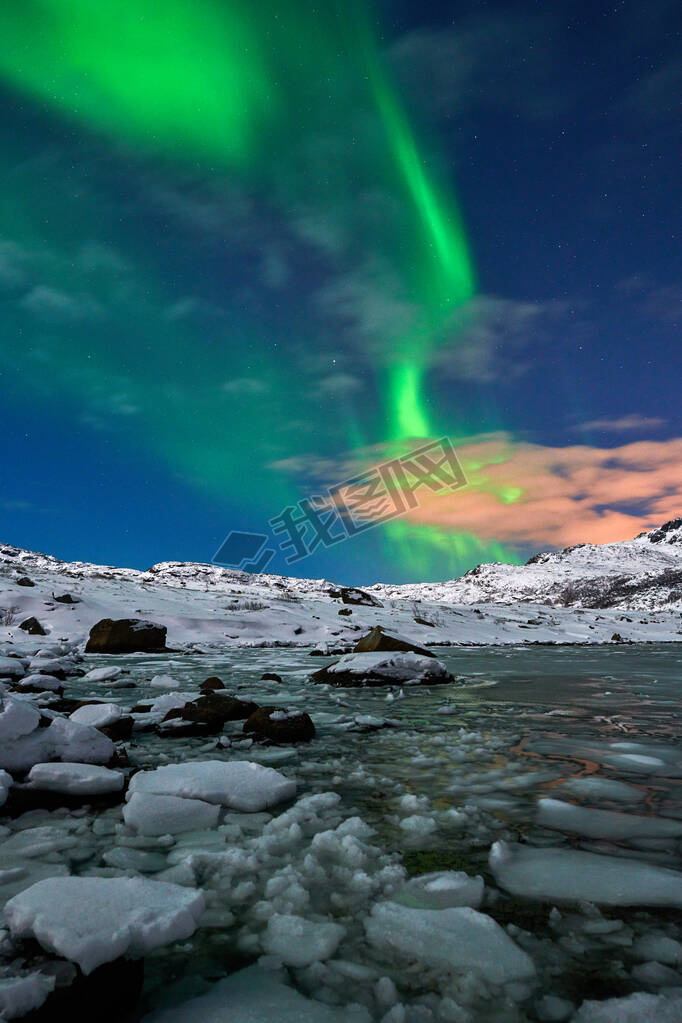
(33, 627)
(345, 611)
(126, 636)
(378, 640)
(280, 725)
(211, 713)
(270, 676)
(351, 595)
(25, 581)
(66, 598)
(210, 685)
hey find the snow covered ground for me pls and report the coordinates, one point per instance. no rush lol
(501, 846)
(632, 590)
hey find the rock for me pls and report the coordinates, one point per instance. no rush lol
(378, 640)
(345, 611)
(212, 712)
(66, 598)
(423, 621)
(384, 669)
(280, 725)
(270, 676)
(617, 638)
(126, 636)
(33, 627)
(25, 581)
(351, 595)
(211, 684)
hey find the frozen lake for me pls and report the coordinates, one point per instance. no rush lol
(553, 750)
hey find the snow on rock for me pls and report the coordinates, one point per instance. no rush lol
(102, 674)
(75, 779)
(41, 683)
(457, 938)
(164, 682)
(98, 715)
(17, 718)
(24, 743)
(384, 669)
(150, 814)
(255, 995)
(562, 874)
(300, 942)
(11, 667)
(583, 820)
(20, 995)
(238, 784)
(94, 920)
(80, 743)
(637, 1008)
(441, 890)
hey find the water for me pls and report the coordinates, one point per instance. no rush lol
(457, 768)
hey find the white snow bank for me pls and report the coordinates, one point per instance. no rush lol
(441, 890)
(94, 920)
(75, 779)
(570, 874)
(152, 814)
(449, 939)
(256, 995)
(300, 942)
(98, 715)
(637, 1008)
(238, 784)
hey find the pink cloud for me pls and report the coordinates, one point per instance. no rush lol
(569, 495)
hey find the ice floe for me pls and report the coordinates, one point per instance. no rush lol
(459, 939)
(562, 874)
(237, 784)
(93, 920)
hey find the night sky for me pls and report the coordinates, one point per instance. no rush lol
(248, 250)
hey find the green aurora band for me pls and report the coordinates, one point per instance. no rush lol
(296, 104)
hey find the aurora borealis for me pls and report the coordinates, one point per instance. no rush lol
(242, 255)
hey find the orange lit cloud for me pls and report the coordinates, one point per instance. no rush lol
(569, 495)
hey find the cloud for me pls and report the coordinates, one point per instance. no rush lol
(621, 424)
(53, 305)
(494, 60)
(339, 385)
(246, 386)
(533, 496)
(489, 335)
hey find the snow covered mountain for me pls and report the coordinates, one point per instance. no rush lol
(584, 594)
(644, 574)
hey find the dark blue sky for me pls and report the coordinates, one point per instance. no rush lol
(131, 282)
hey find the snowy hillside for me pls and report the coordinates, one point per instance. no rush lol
(584, 594)
(643, 574)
